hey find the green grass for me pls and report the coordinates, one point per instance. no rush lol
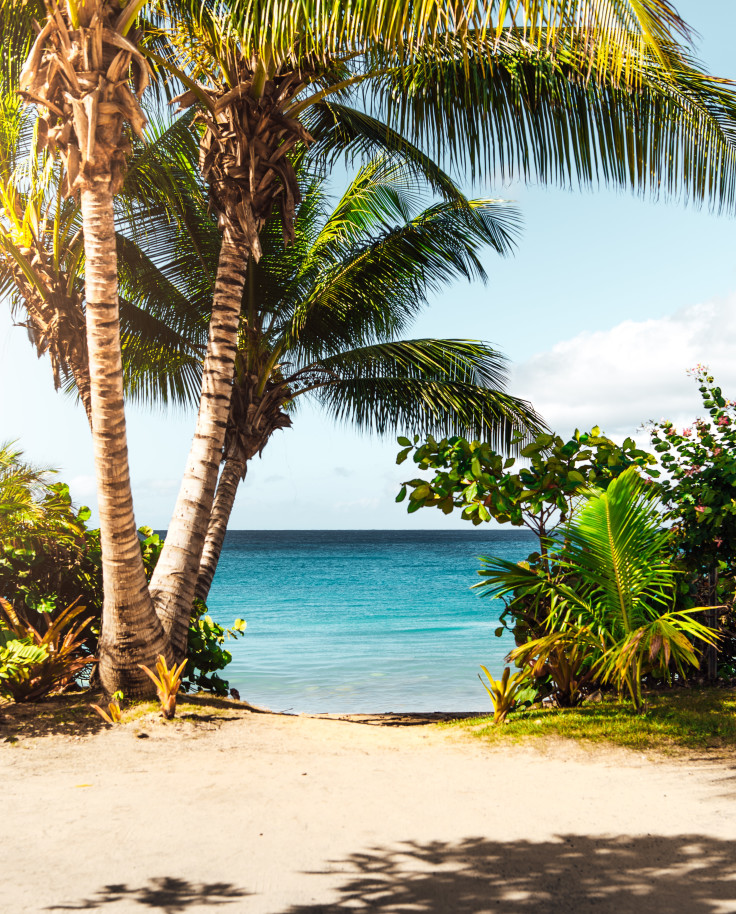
(671, 721)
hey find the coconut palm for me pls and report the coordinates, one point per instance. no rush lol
(323, 320)
(551, 94)
(256, 71)
(41, 244)
(86, 76)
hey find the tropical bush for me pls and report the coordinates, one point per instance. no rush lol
(699, 489)
(206, 655)
(538, 495)
(51, 560)
(60, 656)
(612, 604)
(17, 659)
(48, 557)
(600, 602)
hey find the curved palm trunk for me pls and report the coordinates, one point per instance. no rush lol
(254, 417)
(131, 632)
(233, 472)
(175, 577)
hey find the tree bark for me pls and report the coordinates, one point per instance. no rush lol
(232, 473)
(175, 577)
(131, 632)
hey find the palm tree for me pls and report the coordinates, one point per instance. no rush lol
(86, 76)
(256, 71)
(321, 320)
(557, 89)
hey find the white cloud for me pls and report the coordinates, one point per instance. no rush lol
(634, 372)
(83, 487)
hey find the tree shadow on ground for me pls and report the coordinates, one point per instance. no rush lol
(688, 874)
(60, 715)
(168, 894)
(71, 714)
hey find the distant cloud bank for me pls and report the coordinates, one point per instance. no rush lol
(636, 371)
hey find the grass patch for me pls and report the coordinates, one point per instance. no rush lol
(679, 719)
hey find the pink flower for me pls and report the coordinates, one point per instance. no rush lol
(686, 432)
(724, 420)
(717, 451)
(700, 509)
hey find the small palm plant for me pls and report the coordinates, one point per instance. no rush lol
(620, 610)
(113, 714)
(506, 692)
(167, 682)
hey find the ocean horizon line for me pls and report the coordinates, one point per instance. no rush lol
(439, 531)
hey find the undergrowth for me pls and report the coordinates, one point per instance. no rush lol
(677, 719)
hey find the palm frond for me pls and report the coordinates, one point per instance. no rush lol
(342, 131)
(431, 386)
(618, 543)
(510, 110)
(615, 30)
(377, 284)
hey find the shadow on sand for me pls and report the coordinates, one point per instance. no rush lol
(168, 894)
(687, 874)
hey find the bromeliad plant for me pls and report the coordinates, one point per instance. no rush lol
(508, 692)
(61, 658)
(113, 714)
(167, 681)
(614, 598)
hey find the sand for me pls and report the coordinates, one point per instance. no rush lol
(269, 814)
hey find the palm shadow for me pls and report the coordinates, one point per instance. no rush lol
(167, 894)
(687, 874)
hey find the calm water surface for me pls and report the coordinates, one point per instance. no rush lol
(354, 620)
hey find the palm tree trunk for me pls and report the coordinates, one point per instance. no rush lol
(175, 577)
(81, 379)
(232, 473)
(131, 632)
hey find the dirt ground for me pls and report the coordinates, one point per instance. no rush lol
(236, 811)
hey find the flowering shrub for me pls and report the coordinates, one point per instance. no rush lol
(700, 482)
(700, 492)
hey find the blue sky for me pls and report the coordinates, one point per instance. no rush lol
(608, 300)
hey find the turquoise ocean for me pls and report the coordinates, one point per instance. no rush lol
(362, 621)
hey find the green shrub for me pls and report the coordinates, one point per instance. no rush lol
(50, 559)
(61, 656)
(621, 613)
(17, 659)
(206, 655)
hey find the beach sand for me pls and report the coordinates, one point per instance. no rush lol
(273, 814)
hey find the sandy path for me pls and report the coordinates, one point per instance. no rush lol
(277, 815)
